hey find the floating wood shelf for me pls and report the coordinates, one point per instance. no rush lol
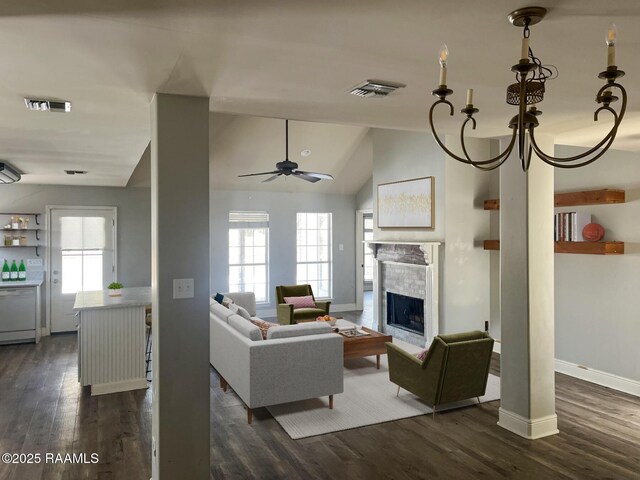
(492, 244)
(590, 248)
(603, 196)
(586, 248)
(591, 197)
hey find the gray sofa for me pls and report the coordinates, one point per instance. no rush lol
(295, 362)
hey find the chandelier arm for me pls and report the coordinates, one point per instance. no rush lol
(435, 135)
(493, 167)
(482, 164)
(608, 139)
(582, 164)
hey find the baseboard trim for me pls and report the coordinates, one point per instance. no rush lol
(598, 377)
(123, 386)
(529, 428)
(272, 312)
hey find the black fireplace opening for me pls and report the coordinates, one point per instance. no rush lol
(405, 312)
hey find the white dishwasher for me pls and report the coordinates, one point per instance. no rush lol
(18, 314)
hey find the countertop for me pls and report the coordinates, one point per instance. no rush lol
(100, 299)
(29, 282)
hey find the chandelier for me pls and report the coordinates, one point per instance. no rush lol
(528, 90)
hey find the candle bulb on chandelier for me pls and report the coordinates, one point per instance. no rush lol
(470, 96)
(442, 57)
(612, 34)
(524, 52)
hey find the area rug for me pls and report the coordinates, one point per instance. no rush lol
(369, 398)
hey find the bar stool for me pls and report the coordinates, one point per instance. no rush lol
(147, 352)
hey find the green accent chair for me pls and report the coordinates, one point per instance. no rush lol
(456, 368)
(287, 315)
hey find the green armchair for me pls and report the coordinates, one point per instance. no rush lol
(456, 368)
(287, 315)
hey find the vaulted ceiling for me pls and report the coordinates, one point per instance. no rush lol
(286, 59)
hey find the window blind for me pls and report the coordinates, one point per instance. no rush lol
(249, 219)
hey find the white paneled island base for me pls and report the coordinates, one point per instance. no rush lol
(111, 340)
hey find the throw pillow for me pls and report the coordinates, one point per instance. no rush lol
(218, 298)
(421, 355)
(242, 312)
(301, 302)
(263, 326)
(226, 301)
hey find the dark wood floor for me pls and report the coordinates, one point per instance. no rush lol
(42, 409)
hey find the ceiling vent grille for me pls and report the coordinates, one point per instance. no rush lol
(41, 105)
(375, 88)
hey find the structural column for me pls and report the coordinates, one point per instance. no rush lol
(180, 250)
(527, 297)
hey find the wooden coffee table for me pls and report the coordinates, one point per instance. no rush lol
(372, 344)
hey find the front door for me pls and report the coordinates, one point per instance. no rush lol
(83, 258)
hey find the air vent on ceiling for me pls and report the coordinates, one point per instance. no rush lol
(75, 172)
(375, 88)
(41, 105)
(8, 174)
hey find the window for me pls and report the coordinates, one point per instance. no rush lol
(313, 242)
(368, 255)
(82, 245)
(249, 253)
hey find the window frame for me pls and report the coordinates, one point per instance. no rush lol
(329, 260)
(243, 227)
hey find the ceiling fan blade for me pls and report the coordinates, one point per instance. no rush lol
(271, 178)
(321, 176)
(256, 174)
(303, 176)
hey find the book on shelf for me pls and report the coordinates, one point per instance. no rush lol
(568, 226)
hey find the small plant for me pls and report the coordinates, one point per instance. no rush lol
(115, 286)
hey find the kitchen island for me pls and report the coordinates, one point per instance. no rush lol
(111, 339)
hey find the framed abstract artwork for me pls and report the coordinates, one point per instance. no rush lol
(407, 204)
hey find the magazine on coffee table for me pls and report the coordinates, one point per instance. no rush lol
(354, 333)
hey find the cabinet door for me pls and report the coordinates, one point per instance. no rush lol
(18, 307)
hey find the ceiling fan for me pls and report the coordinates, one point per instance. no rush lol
(287, 167)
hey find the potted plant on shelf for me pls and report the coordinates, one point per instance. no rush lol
(115, 289)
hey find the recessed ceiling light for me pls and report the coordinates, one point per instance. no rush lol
(75, 172)
(42, 105)
(305, 153)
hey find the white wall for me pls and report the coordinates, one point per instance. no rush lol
(364, 198)
(597, 298)
(282, 208)
(400, 155)
(460, 221)
(134, 223)
(466, 291)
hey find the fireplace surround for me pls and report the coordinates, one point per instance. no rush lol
(408, 269)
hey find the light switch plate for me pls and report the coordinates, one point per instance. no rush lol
(182, 288)
(34, 262)
(341, 247)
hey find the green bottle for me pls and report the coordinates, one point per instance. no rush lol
(5, 272)
(22, 272)
(14, 272)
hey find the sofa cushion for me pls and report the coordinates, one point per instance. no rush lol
(299, 330)
(239, 310)
(262, 326)
(308, 312)
(305, 301)
(221, 312)
(246, 300)
(248, 329)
